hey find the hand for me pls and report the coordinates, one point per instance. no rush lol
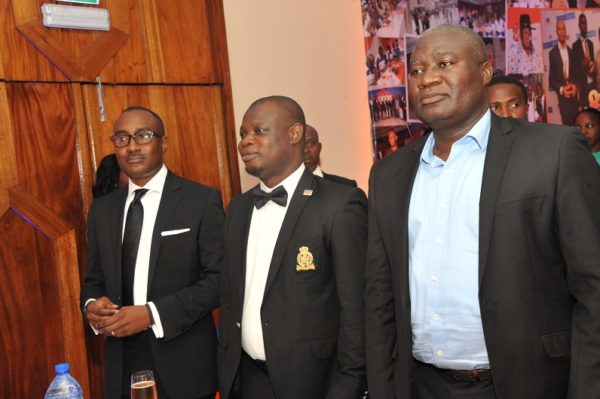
(127, 321)
(99, 310)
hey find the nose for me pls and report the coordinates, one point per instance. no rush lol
(428, 77)
(132, 145)
(503, 111)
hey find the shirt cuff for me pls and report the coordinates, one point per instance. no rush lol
(157, 326)
(97, 332)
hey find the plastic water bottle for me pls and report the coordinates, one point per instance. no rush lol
(63, 386)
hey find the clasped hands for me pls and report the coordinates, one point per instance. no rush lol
(113, 321)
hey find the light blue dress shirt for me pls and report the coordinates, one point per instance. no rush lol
(443, 226)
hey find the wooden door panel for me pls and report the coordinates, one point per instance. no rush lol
(41, 323)
(193, 118)
(149, 41)
(45, 137)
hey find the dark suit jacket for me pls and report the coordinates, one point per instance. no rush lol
(313, 321)
(556, 79)
(582, 71)
(339, 180)
(182, 283)
(539, 270)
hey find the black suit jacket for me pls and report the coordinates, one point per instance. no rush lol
(539, 270)
(313, 321)
(182, 283)
(582, 70)
(556, 80)
(339, 180)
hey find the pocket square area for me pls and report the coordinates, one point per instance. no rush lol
(173, 232)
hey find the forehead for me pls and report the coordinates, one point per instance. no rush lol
(504, 90)
(310, 134)
(438, 44)
(136, 119)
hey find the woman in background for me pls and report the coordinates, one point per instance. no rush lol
(108, 176)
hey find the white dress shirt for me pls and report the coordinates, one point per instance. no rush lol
(262, 237)
(318, 171)
(150, 202)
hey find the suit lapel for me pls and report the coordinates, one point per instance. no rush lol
(116, 231)
(168, 204)
(297, 203)
(498, 149)
(245, 212)
(405, 179)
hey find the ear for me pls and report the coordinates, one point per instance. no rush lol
(486, 72)
(163, 143)
(296, 133)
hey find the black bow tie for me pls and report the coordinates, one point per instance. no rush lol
(278, 196)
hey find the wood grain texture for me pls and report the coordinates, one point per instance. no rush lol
(38, 265)
(9, 174)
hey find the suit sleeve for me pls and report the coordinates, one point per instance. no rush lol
(578, 225)
(94, 283)
(179, 310)
(555, 78)
(379, 308)
(348, 252)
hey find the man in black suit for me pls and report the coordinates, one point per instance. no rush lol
(154, 258)
(563, 75)
(585, 66)
(292, 320)
(312, 158)
(482, 279)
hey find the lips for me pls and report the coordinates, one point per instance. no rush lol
(432, 98)
(135, 159)
(248, 156)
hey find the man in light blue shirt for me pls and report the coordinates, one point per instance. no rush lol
(482, 277)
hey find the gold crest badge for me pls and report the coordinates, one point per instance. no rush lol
(305, 260)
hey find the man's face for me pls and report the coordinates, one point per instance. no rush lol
(266, 143)
(446, 83)
(583, 26)
(392, 139)
(590, 127)
(140, 162)
(561, 31)
(506, 100)
(312, 149)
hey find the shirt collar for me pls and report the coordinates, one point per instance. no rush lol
(289, 183)
(318, 171)
(155, 184)
(479, 133)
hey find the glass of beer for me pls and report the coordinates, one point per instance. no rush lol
(143, 385)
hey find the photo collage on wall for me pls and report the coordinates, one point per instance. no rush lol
(526, 39)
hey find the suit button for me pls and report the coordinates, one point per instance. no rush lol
(237, 323)
(266, 324)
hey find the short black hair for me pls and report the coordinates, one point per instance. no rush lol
(161, 125)
(293, 110)
(503, 79)
(107, 176)
(591, 111)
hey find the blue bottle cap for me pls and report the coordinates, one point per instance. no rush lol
(62, 368)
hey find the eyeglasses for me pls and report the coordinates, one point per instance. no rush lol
(141, 136)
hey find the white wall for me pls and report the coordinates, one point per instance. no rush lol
(313, 52)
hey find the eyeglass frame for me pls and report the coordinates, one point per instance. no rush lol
(134, 135)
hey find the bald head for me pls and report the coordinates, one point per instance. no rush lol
(468, 36)
(287, 108)
(312, 149)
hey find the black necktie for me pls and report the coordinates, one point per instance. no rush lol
(131, 242)
(278, 196)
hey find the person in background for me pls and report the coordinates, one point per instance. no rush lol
(292, 287)
(588, 121)
(563, 75)
(108, 176)
(584, 63)
(482, 276)
(154, 258)
(507, 97)
(312, 158)
(392, 139)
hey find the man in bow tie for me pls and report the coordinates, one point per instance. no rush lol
(292, 281)
(154, 257)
